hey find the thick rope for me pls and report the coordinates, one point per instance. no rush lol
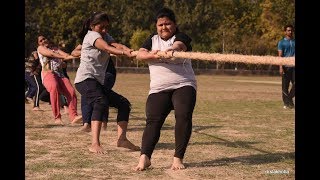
(231, 58)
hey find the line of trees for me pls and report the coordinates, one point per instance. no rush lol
(215, 26)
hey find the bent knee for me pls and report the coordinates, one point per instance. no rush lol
(100, 103)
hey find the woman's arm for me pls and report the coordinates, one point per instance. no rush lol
(77, 51)
(67, 56)
(120, 46)
(178, 46)
(146, 55)
(54, 54)
(104, 46)
(49, 53)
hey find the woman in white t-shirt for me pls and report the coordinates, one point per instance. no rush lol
(172, 87)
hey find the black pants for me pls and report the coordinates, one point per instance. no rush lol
(115, 100)
(40, 92)
(32, 85)
(121, 103)
(287, 77)
(158, 106)
(95, 97)
(40, 88)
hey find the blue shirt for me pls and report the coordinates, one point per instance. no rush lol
(287, 46)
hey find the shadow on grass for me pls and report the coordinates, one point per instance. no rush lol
(197, 129)
(47, 126)
(250, 160)
(133, 117)
(143, 126)
(235, 144)
(162, 145)
(225, 142)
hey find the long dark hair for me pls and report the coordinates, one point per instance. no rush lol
(94, 19)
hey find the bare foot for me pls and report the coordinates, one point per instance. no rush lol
(177, 164)
(144, 162)
(95, 148)
(77, 119)
(86, 127)
(104, 125)
(125, 143)
(58, 121)
(37, 109)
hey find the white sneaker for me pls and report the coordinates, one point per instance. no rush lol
(285, 107)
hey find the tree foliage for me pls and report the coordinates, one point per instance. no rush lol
(138, 38)
(222, 26)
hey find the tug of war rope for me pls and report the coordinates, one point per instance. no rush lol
(231, 58)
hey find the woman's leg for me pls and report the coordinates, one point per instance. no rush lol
(38, 82)
(69, 92)
(93, 92)
(50, 82)
(124, 107)
(86, 110)
(32, 86)
(158, 107)
(183, 100)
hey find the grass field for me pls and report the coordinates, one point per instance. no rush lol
(240, 131)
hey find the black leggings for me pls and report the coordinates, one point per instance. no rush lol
(115, 100)
(121, 103)
(158, 106)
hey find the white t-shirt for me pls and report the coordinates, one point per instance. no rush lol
(169, 74)
(93, 62)
(54, 64)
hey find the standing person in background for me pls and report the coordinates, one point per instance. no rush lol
(33, 71)
(90, 76)
(30, 67)
(172, 87)
(33, 79)
(286, 48)
(55, 82)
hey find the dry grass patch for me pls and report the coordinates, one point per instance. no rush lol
(240, 131)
